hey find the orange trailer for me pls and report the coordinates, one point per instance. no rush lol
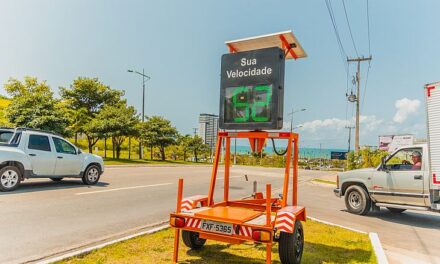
(262, 219)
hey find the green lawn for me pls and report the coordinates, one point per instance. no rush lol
(324, 244)
(111, 161)
(324, 181)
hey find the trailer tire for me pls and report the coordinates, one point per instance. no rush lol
(192, 240)
(290, 246)
(396, 210)
(357, 200)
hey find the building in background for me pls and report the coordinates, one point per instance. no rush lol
(391, 142)
(208, 128)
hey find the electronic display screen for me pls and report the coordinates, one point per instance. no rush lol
(252, 90)
(248, 104)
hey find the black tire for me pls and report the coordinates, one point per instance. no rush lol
(192, 240)
(291, 246)
(396, 210)
(357, 200)
(91, 175)
(56, 179)
(10, 178)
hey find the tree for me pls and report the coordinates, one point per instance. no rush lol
(197, 146)
(183, 142)
(116, 121)
(34, 106)
(85, 98)
(158, 132)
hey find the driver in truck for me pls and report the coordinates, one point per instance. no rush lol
(416, 157)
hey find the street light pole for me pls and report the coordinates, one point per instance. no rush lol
(291, 118)
(141, 148)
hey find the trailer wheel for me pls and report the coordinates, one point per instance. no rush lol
(192, 240)
(357, 200)
(395, 210)
(290, 246)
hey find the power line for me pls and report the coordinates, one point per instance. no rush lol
(338, 38)
(365, 86)
(349, 28)
(368, 24)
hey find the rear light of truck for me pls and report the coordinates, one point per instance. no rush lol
(337, 181)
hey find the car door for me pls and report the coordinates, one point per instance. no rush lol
(41, 155)
(401, 179)
(68, 161)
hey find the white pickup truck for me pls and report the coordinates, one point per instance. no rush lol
(409, 178)
(39, 154)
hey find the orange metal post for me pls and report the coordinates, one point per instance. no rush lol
(227, 165)
(269, 253)
(177, 232)
(287, 171)
(214, 170)
(268, 222)
(268, 204)
(295, 173)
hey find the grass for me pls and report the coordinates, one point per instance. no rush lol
(323, 244)
(111, 161)
(324, 181)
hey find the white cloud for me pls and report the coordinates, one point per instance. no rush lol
(335, 124)
(405, 107)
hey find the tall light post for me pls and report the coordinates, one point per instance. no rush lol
(141, 148)
(291, 117)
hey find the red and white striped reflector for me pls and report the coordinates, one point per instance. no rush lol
(186, 205)
(285, 221)
(194, 223)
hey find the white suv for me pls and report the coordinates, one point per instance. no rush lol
(38, 154)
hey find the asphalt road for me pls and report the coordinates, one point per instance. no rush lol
(43, 217)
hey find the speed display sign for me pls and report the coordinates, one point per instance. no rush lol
(252, 88)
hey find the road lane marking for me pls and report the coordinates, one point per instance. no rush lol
(124, 188)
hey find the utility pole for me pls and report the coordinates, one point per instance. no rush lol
(358, 78)
(195, 131)
(349, 136)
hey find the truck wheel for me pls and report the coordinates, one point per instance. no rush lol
(290, 246)
(91, 175)
(192, 240)
(396, 210)
(357, 200)
(10, 177)
(56, 179)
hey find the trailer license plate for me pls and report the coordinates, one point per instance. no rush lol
(217, 227)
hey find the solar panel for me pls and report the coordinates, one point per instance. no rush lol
(284, 40)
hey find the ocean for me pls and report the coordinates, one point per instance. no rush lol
(311, 153)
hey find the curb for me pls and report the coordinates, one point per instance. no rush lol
(154, 165)
(89, 249)
(377, 246)
(374, 239)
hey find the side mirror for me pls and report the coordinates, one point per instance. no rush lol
(79, 151)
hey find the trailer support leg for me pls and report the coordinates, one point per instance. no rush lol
(176, 245)
(268, 253)
(177, 232)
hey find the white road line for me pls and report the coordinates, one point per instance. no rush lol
(124, 188)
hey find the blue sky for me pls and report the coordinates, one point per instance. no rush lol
(179, 43)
